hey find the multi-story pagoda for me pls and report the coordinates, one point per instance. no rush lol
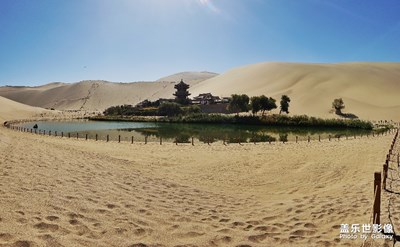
(182, 93)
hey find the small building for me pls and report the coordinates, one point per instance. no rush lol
(206, 99)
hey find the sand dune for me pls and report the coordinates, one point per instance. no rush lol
(192, 78)
(98, 95)
(11, 110)
(369, 90)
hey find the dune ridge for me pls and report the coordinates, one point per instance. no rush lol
(369, 90)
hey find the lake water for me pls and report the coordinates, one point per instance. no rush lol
(183, 133)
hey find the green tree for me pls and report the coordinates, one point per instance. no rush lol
(284, 104)
(271, 104)
(239, 103)
(169, 109)
(338, 105)
(263, 103)
(267, 104)
(255, 104)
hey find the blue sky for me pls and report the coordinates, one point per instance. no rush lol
(44, 41)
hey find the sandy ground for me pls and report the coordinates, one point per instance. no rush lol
(60, 192)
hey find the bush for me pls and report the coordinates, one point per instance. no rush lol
(169, 109)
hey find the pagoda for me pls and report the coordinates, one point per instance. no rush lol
(182, 93)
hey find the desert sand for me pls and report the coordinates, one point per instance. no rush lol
(11, 110)
(64, 192)
(95, 95)
(369, 90)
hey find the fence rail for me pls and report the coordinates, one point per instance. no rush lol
(190, 139)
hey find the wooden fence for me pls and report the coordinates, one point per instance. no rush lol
(378, 182)
(208, 140)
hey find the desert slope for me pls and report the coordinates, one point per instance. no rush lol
(11, 110)
(98, 95)
(369, 90)
(190, 77)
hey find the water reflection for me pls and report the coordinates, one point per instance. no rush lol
(184, 133)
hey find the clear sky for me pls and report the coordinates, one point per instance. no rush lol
(44, 41)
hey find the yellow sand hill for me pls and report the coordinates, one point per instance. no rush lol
(11, 110)
(98, 95)
(369, 90)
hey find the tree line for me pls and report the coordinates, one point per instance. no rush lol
(243, 103)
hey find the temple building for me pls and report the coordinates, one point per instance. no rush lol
(182, 93)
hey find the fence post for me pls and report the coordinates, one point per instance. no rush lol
(329, 137)
(145, 140)
(44, 132)
(49, 132)
(62, 133)
(192, 141)
(77, 136)
(160, 140)
(132, 140)
(108, 138)
(398, 160)
(385, 172)
(86, 137)
(119, 138)
(377, 199)
(55, 133)
(308, 138)
(296, 138)
(96, 137)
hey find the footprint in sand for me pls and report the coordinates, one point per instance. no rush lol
(238, 223)
(258, 238)
(46, 227)
(302, 233)
(310, 225)
(5, 237)
(139, 231)
(111, 206)
(221, 240)
(74, 222)
(138, 245)
(269, 218)
(52, 218)
(22, 243)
